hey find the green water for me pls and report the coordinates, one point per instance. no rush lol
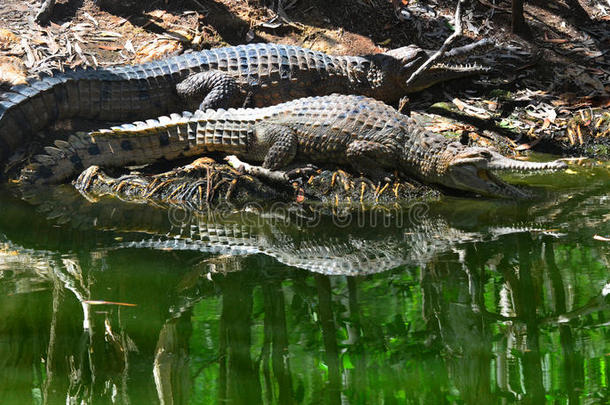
(454, 301)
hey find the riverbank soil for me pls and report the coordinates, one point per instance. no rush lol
(548, 94)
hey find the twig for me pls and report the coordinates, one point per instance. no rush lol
(277, 176)
(456, 33)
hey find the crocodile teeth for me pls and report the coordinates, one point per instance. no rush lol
(528, 166)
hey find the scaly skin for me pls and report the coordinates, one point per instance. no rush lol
(353, 131)
(257, 74)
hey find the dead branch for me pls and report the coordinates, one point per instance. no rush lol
(457, 22)
(277, 176)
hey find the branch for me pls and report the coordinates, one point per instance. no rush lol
(457, 23)
(277, 176)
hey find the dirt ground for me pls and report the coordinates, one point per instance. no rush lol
(550, 93)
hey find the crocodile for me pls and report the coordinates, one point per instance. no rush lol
(362, 133)
(245, 75)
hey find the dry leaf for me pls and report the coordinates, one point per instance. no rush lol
(129, 46)
(546, 123)
(459, 104)
(12, 71)
(180, 35)
(554, 40)
(110, 47)
(157, 50)
(156, 14)
(90, 17)
(111, 34)
(8, 39)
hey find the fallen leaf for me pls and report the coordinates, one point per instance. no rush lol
(546, 123)
(8, 39)
(596, 71)
(459, 104)
(527, 146)
(12, 71)
(156, 14)
(157, 50)
(180, 35)
(110, 47)
(82, 27)
(109, 34)
(129, 46)
(90, 17)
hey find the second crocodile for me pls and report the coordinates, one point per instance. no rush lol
(350, 131)
(255, 74)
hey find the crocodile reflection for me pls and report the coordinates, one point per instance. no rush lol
(468, 291)
(356, 243)
(459, 332)
(486, 281)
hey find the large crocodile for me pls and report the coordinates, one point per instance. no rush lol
(256, 74)
(354, 131)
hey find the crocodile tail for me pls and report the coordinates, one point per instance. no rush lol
(137, 143)
(120, 93)
(25, 109)
(185, 134)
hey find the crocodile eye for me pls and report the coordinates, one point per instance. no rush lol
(486, 154)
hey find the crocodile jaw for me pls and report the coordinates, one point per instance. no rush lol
(472, 170)
(447, 67)
(499, 162)
(442, 72)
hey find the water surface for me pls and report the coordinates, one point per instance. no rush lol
(453, 301)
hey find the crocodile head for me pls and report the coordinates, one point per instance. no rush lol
(472, 169)
(403, 62)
